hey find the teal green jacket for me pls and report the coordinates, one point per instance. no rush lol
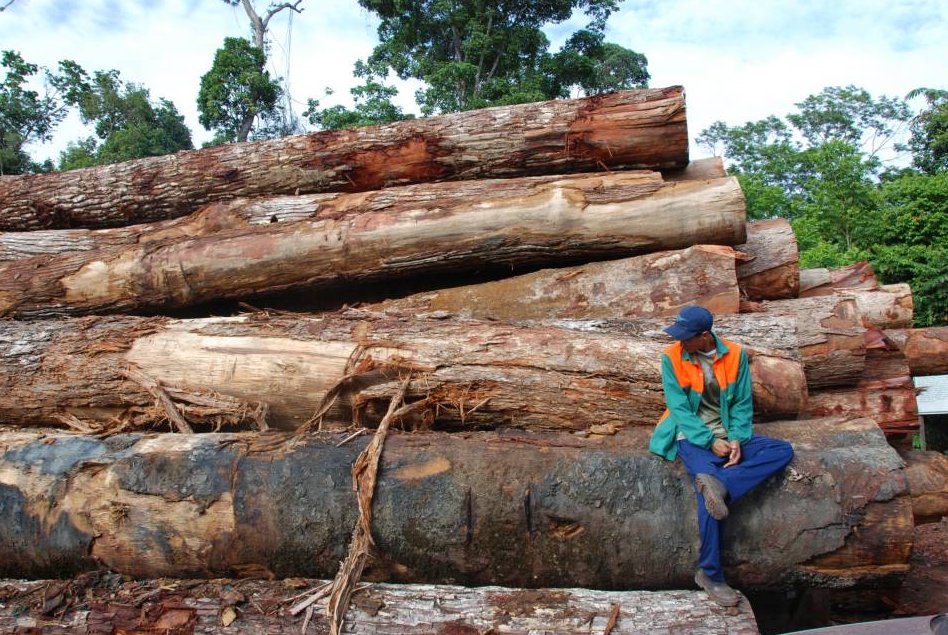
(683, 382)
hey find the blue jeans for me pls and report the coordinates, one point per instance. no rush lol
(761, 457)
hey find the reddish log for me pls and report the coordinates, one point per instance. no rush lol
(400, 233)
(772, 271)
(927, 474)
(926, 349)
(858, 275)
(886, 307)
(628, 129)
(710, 168)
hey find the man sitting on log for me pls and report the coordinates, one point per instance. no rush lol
(707, 423)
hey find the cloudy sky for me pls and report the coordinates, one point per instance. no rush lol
(738, 60)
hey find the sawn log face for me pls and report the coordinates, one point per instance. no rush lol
(629, 129)
(524, 510)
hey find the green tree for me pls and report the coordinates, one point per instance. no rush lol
(929, 140)
(236, 92)
(373, 104)
(127, 123)
(477, 53)
(26, 116)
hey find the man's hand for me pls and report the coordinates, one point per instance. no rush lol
(721, 448)
(734, 453)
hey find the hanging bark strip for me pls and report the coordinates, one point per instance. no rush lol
(523, 509)
(773, 269)
(656, 284)
(628, 129)
(467, 374)
(533, 222)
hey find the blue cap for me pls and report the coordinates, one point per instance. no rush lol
(692, 320)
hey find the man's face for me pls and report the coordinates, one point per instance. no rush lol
(700, 342)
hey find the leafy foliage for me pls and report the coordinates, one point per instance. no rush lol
(373, 104)
(929, 141)
(237, 91)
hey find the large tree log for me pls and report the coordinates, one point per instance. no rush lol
(927, 474)
(527, 510)
(889, 306)
(926, 349)
(466, 374)
(537, 221)
(629, 129)
(859, 275)
(709, 168)
(652, 285)
(251, 607)
(830, 333)
(773, 269)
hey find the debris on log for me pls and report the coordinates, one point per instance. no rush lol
(656, 284)
(822, 281)
(468, 374)
(927, 474)
(108, 603)
(772, 268)
(524, 510)
(536, 222)
(926, 349)
(623, 130)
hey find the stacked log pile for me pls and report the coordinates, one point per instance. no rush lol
(497, 281)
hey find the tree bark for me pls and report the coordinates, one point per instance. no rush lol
(624, 130)
(926, 349)
(927, 474)
(259, 606)
(830, 333)
(773, 269)
(87, 373)
(710, 168)
(460, 226)
(652, 285)
(525, 510)
(823, 281)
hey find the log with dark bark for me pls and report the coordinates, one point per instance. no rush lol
(823, 281)
(656, 284)
(629, 129)
(830, 333)
(525, 510)
(926, 349)
(404, 232)
(927, 474)
(110, 604)
(773, 269)
(76, 372)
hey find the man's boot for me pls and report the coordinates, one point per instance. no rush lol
(720, 592)
(714, 493)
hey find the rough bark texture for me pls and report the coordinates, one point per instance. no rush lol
(830, 334)
(926, 349)
(428, 229)
(822, 281)
(656, 284)
(927, 474)
(107, 604)
(629, 129)
(889, 306)
(466, 373)
(525, 510)
(773, 269)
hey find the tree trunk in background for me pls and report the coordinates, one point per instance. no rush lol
(259, 606)
(926, 349)
(460, 226)
(526, 510)
(773, 271)
(652, 285)
(630, 129)
(821, 281)
(466, 374)
(830, 333)
(927, 475)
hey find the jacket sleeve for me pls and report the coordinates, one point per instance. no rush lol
(741, 409)
(679, 410)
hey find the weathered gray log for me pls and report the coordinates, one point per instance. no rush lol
(831, 336)
(526, 510)
(76, 372)
(656, 284)
(926, 349)
(629, 129)
(251, 607)
(927, 474)
(822, 281)
(432, 228)
(773, 269)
